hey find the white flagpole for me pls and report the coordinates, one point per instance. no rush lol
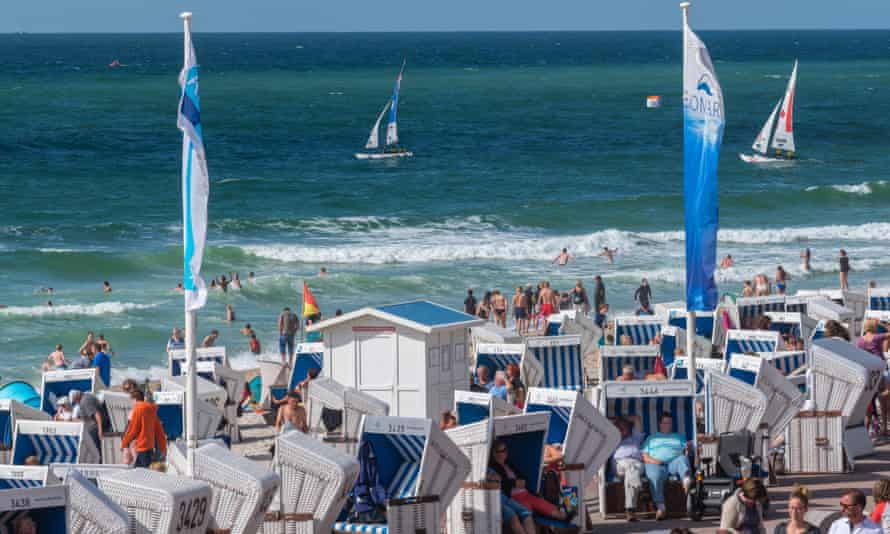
(690, 315)
(191, 323)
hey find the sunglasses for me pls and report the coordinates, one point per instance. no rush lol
(499, 451)
(848, 506)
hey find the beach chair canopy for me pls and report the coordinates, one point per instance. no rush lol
(315, 478)
(673, 337)
(732, 405)
(745, 367)
(91, 472)
(308, 356)
(704, 322)
(492, 333)
(844, 378)
(796, 303)
(583, 326)
(160, 503)
(58, 384)
(613, 358)
(680, 370)
(784, 399)
(176, 359)
(554, 362)
(230, 380)
(472, 407)
(118, 405)
(52, 442)
(879, 298)
(47, 508)
(828, 310)
(207, 391)
(641, 330)
(648, 400)
(273, 376)
(242, 489)
(585, 435)
(751, 309)
(91, 511)
(798, 325)
(12, 411)
(741, 341)
(333, 407)
(171, 411)
(26, 476)
(786, 362)
(497, 356)
(556, 321)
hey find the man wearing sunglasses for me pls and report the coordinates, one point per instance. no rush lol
(854, 521)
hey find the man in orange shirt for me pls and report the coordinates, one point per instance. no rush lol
(145, 431)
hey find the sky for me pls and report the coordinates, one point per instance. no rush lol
(126, 16)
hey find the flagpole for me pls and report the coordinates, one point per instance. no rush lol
(690, 315)
(191, 323)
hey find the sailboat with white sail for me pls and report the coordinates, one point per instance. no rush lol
(775, 142)
(391, 148)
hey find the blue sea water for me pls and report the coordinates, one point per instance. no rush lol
(524, 143)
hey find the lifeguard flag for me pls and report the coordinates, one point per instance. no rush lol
(310, 307)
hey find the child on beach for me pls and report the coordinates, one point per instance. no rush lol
(56, 359)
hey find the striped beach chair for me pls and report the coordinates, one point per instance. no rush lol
(335, 412)
(751, 309)
(172, 413)
(497, 356)
(786, 362)
(58, 384)
(10, 412)
(673, 337)
(613, 358)
(741, 341)
(646, 401)
(796, 303)
(586, 437)
(52, 442)
(879, 298)
(308, 356)
(704, 322)
(797, 325)
(641, 330)
(208, 391)
(554, 362)
(421, 469)
(556, 321)
(90, 510)
(679, 370)
(471, 407)
(25, 476)
(176, 359)
(47, 508)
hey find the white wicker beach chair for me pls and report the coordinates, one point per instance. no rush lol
(732, 406)
(845, 378)
(582, 326)
(176, 359)
(613, 358)
(118, 405)
(57, 384)
(554, 362)
(787, 362)
(172, 412)
(10, 412)
(233, 382)
(421, 469)
(91, 511)
(46, 509)
(741, 341)
(646, 400)
(586, 437)
(91, 472)
(207, 391)
(274, 374)
(315, 481)
(472, 407)
(26, 476)
(160, 503)
(641, 330)
(53, 442)
(879, 298)
(329, 403)
(799, 325)
(783, 399)
(242, 489)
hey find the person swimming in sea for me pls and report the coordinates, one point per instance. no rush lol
(563, 257)
(727, 262)
(609, 253)
(805, 257)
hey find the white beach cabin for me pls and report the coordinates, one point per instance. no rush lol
(412, 356)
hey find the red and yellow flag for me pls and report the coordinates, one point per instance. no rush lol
(310, 307)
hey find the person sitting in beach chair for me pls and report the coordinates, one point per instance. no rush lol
(513, 485)
(628, 464)
(664, 454)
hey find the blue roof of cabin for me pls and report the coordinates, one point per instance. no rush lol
(426, 313)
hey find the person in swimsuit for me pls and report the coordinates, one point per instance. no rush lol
(727, 262)
(56, 360)
(546, 298)
(520, 310)
(609, 253)
(782, 278)
(805, 256)
(499, 304)
(236, 282)
(291, 416)
(106, 287)
(748, 289)
(230, 313)
(563, 257)
(845, 268)
(88, 348)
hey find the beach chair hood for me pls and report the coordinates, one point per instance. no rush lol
(554, 362)
(731, 405)
(472, 407)
(91, 511)
(53, 442)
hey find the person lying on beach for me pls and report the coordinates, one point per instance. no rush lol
(291, 416)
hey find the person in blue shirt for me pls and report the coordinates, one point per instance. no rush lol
(102, 363)
(664, 454)
(499, 389)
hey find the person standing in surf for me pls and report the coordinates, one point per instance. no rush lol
(609, 253)
(563, 257)
(844, 261)
(599, 293)
(520, 310)
(643, 295)
(782, 278)
(805, 256)
(727, 262)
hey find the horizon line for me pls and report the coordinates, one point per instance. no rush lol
(649, 30)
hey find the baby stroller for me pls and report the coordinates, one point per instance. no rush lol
(716, 479)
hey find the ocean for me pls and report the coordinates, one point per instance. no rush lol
(524, 143)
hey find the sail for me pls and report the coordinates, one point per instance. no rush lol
(783, 139)
(374, 138)
(392, 131)
(762, 141)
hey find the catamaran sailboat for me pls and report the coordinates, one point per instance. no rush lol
(775, 144)
(391, 149)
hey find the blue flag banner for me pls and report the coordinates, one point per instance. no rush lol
(703, 120)
(195, 179)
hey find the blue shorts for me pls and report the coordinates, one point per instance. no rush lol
(286, 344)
(511, 509)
